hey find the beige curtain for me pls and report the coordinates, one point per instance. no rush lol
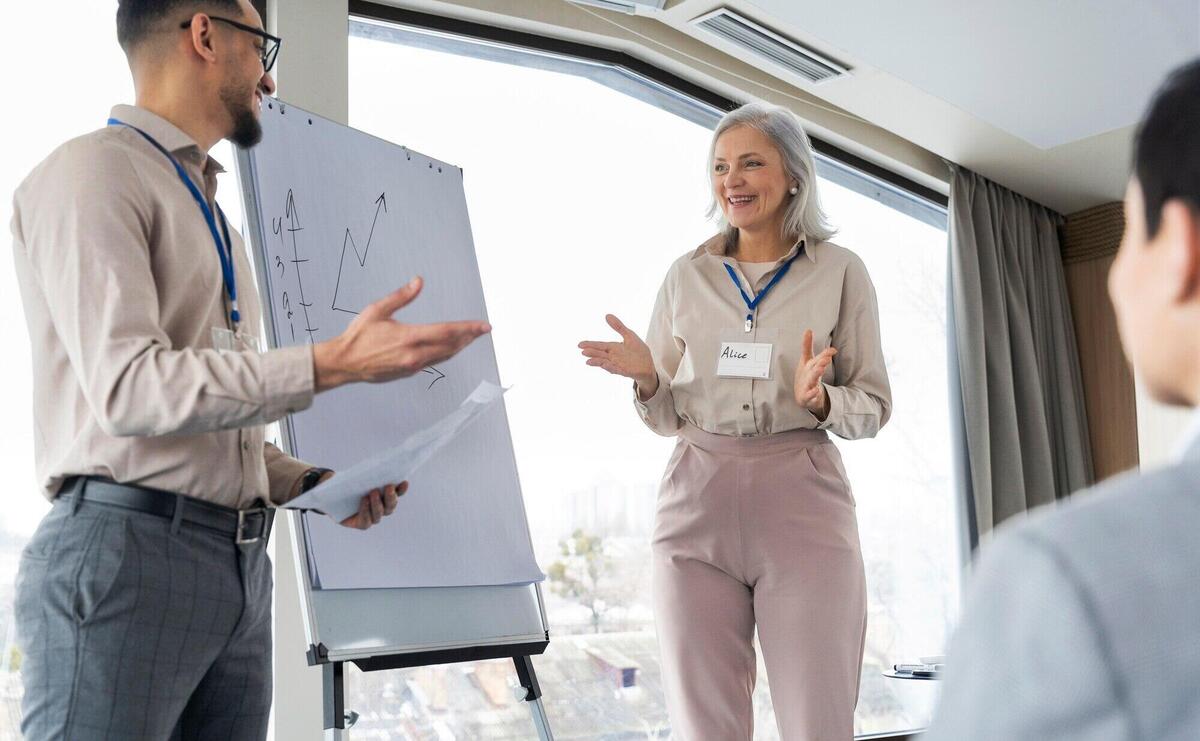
(1023, 428)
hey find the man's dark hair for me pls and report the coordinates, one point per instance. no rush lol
(137, 20)
(1166, 159)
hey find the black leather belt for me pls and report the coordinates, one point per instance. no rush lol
(243, 525)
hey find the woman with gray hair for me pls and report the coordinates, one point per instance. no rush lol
(762, 339)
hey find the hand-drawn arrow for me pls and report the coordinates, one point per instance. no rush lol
(289, 210)
(433, 371)
(380, 203)
(293, 217)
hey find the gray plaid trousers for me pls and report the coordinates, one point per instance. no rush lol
(131, 629)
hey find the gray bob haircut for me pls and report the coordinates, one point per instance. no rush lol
(804, 214)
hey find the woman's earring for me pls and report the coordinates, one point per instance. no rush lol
(794, 190)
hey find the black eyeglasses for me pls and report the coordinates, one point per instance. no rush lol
(267, 53)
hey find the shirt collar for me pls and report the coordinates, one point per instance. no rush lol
(1189, 443)
(716, 245)
(170, 136)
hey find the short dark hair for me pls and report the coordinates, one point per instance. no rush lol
(139, 19)
(1166, 159)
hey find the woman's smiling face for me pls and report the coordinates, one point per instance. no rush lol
(749, 179)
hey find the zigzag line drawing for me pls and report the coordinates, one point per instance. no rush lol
(361, 258)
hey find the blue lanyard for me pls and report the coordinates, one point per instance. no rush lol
(224, 249)
(752, 303)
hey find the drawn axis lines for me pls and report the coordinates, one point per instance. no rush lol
(293, 219)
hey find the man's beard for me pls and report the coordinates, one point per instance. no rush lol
(247, 131)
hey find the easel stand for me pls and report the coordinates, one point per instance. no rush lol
(334, 687)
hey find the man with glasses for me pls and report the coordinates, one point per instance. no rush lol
(143, 603)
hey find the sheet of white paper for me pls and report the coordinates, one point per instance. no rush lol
(339, 496)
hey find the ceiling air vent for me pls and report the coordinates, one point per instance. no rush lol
(765, 43)
(632, 7)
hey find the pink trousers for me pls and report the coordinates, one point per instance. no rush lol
(758, 532)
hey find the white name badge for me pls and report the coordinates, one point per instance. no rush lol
(744, 360)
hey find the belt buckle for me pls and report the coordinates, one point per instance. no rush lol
(263, 531)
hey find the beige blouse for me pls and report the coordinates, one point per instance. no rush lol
(122, 288)
(827, 290)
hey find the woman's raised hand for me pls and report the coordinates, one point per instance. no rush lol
(630, 357)
(810, 393)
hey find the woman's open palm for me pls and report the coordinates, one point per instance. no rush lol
(630, 357)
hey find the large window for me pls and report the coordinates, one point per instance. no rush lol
(584, 182)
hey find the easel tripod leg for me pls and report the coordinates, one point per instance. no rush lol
(334, 691)
(533, 695)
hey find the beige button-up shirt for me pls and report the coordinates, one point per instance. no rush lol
(827, 290)
(122, 288)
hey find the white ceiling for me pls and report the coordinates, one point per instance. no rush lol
(1041, 96)
(1048, 72)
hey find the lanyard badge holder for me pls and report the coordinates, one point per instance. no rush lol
(750, 359)
(223, 338)
(752, 303)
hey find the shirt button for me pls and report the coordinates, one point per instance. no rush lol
(245, 445)
(745, 407)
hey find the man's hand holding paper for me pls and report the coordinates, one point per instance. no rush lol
(374, 506)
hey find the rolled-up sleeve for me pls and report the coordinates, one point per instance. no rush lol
(90, 253)
(860, 397)
(283, 473)
(658, 412)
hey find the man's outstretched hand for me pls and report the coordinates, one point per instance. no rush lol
(376, 348)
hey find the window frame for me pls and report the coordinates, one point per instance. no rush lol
(571, 51)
